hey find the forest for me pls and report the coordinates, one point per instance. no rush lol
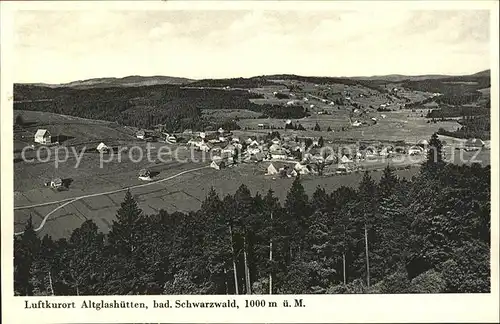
(452, 86)
(174, 106)
(430, 234)
(471, 127)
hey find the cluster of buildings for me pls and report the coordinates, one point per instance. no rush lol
(156, 135)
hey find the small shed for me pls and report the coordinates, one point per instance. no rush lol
(56, 183)
(141, 134)
(144, 174)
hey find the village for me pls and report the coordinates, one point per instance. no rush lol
(285, 154)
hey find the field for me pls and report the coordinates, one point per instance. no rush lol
(396, 126)
(96, 189)
(183, 193)
(71, 130)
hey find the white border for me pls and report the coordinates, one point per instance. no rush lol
(337, 308)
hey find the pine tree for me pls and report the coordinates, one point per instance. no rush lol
(367, 196)
(434, 161)
(218, 242)
(321, 142)
(245, 220)
(83, 253)
(316, 127)
(19, 120)
(297, 211)
(329, 129)
(272, 232)
(388, 182)
(26, 250)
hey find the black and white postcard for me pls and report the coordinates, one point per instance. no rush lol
(279, 161)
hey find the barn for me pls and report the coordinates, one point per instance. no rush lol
(42, 136)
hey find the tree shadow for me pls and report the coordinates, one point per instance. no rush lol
(61, 138)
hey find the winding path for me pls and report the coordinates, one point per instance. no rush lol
(72, 200)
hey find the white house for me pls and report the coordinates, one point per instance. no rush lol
(170, 139)
(229, 149)
(102, 148)
(42, 136)
(141, 134)
(56, 183)
(414, 150)
(271, 170)
(345, 159)
(145, 174)
(473, 144)
(276, 140)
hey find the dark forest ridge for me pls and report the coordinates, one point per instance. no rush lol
(401, 77)
(136, 80)
(129, 81)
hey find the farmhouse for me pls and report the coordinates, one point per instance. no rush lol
(141, 134)
(423, 142)
(102, 148)
(473, 144)
(271, 170)
(414, 150)
(170, 139)
(145, 174)
(278, 154)
(345, 160)
(229, 149)
(42, 136)
(217, 164)
(56, 183)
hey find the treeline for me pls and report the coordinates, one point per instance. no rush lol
(475, 127)
(452, 112)
(282, 112)
(246, 83)
(459, 99)
(427, 235)
(454, 86)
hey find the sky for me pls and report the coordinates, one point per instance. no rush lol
(64, 46)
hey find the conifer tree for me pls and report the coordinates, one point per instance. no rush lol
(434, 161)
(297, 212)
(26, 251)
(125, 231)
(388, 182)
(316, 127)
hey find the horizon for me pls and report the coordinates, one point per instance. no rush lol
(224, 44)
(254, 76)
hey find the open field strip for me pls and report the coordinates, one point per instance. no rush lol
(44, 220)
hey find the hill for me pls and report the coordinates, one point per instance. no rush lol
(401, 77)
(129, 81)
